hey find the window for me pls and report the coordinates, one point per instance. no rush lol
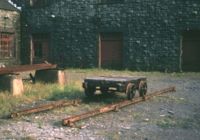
(110, 1)
(38, 3)
(7, 49)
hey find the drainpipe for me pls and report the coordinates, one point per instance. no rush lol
(181, 54)
(31, 49)
(99, 49)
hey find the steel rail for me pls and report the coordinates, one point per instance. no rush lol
(23, 68)
(71, 120)
(45, 107)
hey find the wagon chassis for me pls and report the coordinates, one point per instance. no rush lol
(128, 85)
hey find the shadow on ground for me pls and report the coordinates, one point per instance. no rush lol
(75, 94)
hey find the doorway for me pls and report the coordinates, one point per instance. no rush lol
(111, 50)
(40, 48)
(191, 51)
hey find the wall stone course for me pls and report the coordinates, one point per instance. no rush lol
(11, 25)
(152, 31)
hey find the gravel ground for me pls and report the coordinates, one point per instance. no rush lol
(172, 116)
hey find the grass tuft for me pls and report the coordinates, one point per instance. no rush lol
(184, 123)
(36, 92)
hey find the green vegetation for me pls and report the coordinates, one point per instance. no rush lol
(166, 123)
(41, 91)
(111, 135)
(185, 123)
(28, 138)
(114, 135)
(36, 92)
(170, 98)
(73, 90)
(128, 72)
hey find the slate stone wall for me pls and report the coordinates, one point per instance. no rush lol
(152, 31)
(10, 23)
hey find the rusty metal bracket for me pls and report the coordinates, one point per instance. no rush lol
(23, 68)
(71, 120)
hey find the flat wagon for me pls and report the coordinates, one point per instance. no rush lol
(129, 85)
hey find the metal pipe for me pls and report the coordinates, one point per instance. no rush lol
(45, 107)
(71, 120)
(22, 68)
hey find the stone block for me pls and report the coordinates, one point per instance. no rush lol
(51, 76)
(12, 83)
(17, 86)
(61, 77)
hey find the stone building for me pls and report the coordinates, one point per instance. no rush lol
(9, 34)
(144, 35)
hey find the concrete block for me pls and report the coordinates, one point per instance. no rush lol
(12, 83)
(51, 76)
(61, 77)
(17, 86)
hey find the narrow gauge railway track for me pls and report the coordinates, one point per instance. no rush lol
(45, 107)
(71, 120)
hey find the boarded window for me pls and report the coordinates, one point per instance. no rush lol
(7, 48)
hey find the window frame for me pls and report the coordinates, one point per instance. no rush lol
(7, 45)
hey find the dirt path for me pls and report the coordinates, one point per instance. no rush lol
(174, 116)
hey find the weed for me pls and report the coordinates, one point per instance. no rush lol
(37, 92)
(73, 90)
(39, 124)
(166, 123)
(113, 135)
(28, 138)
(170, 98)
(110, 135)
(184, 123)
(136, 115)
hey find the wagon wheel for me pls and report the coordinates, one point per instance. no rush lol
(104, 90)
(130, 91)
(142, 88)
(89, 91)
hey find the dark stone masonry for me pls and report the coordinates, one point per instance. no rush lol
(152, 31)
(9, 34)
